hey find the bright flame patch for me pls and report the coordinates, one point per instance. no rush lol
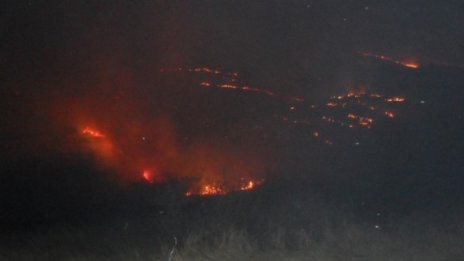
(92, 132)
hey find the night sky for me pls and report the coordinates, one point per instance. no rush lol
(112, 68)
(296, 40)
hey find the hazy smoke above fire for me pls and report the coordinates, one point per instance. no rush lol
(160, 130)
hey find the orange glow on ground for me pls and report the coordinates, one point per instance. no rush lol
(410, 65)
(227, 79)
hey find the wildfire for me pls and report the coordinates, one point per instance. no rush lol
(205, 84)
(350, 111)
(227, 80)
(148, 176)
(352, 116)
(100, 145)
(110, 152)
(248, 186)
(252, 184)
(363, 121)
(228, 86)
(206, 70)
(396, 99)
(258, 90)
(406, 64)
(92, 133)
(140, 150)
(389, 114)
(410, 65)
(213, 189)
(367, 106)
(209, 190)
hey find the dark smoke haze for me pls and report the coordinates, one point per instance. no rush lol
(68, 65)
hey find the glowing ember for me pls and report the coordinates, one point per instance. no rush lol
(148, 176)
(228, 86)
(209, 190)
(410, 65)
(396, 99)
(352, 116)
(225, 80)
(248, 186)
(92, 132)
(389, 114)
(206, 70)
(205, 84)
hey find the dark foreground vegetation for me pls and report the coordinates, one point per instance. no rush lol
(285, 219)
(231, 229)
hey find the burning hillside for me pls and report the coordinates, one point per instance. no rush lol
(354, 112)
(209, 170)
(410, 64)
(148, 141)
(228, 80)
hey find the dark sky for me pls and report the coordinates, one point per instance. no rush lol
(294, 39)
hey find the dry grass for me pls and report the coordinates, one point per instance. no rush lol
(349, 243)
(343, 242)
(312, 235)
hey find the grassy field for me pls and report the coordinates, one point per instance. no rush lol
(237, 228)
(347, 242)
